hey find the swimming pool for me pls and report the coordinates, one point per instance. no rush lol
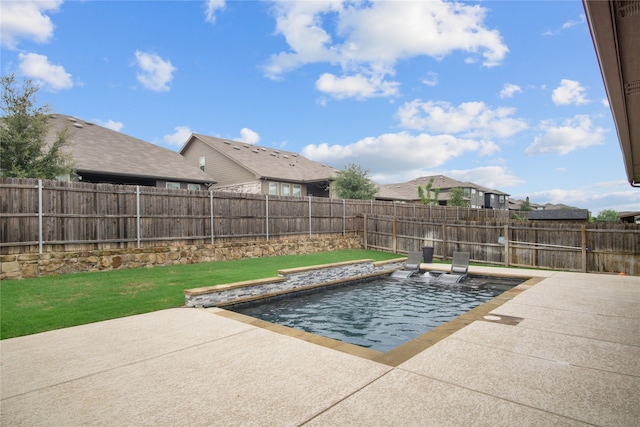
(381, 313)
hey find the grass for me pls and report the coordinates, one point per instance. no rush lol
(36, 305)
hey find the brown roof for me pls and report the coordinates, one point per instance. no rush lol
(268, 163)
(97, 149)
(409, 190)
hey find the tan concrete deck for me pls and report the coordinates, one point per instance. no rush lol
(573, 359)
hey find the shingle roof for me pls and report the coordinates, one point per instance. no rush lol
(269, 163)
(97, 149)
(409, 190)
(560, 215)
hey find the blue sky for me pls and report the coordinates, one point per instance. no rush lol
(506, 94)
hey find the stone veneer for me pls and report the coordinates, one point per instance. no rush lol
(29, 265)
(289, 280)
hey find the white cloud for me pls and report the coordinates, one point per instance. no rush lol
(248, 136)
(26, 19)
(155, 73)
(369, 38)
(110, 124)
(509, 90)
(430, 79)
(179, 137)
(357, 86)
(41, 71)
(573, 134)
(470, 119)
(391, 152)
(616, 195)
(565, 26)
(569, 92)
(211, 7)
(493, 177)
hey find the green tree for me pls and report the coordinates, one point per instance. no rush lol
(457, 197)
(353, 183)
(425, 195)
(608, 215)
(526, 205)
(24, 152)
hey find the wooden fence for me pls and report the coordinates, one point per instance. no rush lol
(593, 247)
(54, 216)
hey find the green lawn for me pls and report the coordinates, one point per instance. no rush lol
(45, 303)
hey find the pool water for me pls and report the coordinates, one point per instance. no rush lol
(381, 313)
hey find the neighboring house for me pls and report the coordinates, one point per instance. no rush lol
(476, 195)
(632, 217)
(103, 155)
(254, 169)
(567, 215)
(516, 205)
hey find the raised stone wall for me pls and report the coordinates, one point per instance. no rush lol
(23, 266)
(289, 280)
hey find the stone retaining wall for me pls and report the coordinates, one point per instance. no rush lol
(23, 266)
(289, 280)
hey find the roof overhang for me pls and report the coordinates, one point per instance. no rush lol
(81, 171)
(615, 30)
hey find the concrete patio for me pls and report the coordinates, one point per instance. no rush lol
(565, 351)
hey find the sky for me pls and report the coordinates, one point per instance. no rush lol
(504, 94)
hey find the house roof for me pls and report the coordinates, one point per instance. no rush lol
(409, 190)
(614, 27)
(268, 163)
(97, 149)
(560, 215)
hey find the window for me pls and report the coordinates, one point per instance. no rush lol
(193, 186)
(286, 189)
(473, 191)
(501, 199)
(273, 188)
(201, 163)
(297, 190)
(173, 185)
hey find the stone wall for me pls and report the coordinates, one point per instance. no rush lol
(23, 266)
(289, 280)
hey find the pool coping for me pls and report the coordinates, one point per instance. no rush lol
(405, 351)
(288, 281)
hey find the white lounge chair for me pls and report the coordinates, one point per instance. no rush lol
(459, 268)
(411, 266)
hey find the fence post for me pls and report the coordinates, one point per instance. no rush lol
(584, 248)
(309, 216)
(138, 216)
(266, 200)
(444, 239)
(364, 231)
(211, 209)
(394, 244)
(344, 217)
(506, 245)
(40, 236)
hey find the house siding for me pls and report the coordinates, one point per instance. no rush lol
(226, 172)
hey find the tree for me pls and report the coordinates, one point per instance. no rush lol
(426, 198)
(608, 215)
(23, 130)
(526, 205)
(353, 183)
(457, 197)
